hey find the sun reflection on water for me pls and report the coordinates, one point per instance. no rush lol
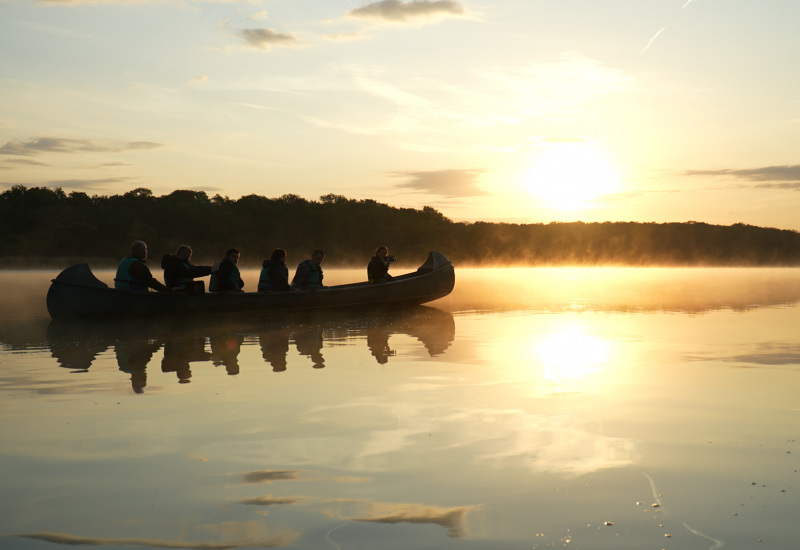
(570, 357)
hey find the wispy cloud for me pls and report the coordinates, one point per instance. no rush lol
(269, 500)
(266, 39)
(448, 183)
(91, 184)
(564, 139)
(454, 520)
(347, 36)
(497, 96)
(349, 128)
(794, 185)
(770, 353)
(77, 2)
(40, 145)
(415, 11)
(572, 77)
(259, 16)
(372, 83)
(26, 162)
(788, 173)
(268, 476)
(281, 539)
(113, 164)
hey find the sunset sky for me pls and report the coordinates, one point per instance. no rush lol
(504, 110)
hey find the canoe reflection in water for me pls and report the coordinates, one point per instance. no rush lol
(135, 344)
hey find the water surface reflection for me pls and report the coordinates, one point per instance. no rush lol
(184, 345)
(590, 409)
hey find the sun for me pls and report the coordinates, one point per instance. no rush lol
(570, 176)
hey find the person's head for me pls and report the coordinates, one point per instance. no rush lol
(279, 254)
(317, 256)
(184, 252)
(381, 252)
(139, 250)
(233, 255)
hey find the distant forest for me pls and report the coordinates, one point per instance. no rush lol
(44, 227)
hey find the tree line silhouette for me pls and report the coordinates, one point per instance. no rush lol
(45, 227)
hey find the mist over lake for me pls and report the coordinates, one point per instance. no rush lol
(592, 408)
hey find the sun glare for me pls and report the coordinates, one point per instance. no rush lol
(571, 355)
(570, 176)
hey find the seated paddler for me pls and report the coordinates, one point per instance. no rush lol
(180, 274)
(227, 278)
(378, 267)
(133, 273)
(309, 275)
(274, 273)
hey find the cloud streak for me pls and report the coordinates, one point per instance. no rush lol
(281, 539)
(787, 173)
(266, 39)
(26, 162)
(268, 476)
(269, 500)
(396, 11)
(39, 145)
(768, 354)
(449, 183)
(454, 520)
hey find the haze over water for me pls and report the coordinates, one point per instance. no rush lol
(531, 408)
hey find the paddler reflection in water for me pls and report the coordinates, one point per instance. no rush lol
(133, 273)
(132, 358)
(275, 347)
(378, 344)
(309, 343)
(179, 353)
(225, 351)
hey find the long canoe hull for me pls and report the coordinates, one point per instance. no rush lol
(77, 294)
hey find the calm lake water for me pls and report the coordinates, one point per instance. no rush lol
(533, 408)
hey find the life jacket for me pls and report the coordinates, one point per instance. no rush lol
(234, 279)
(315, 278)
(272, 276)
(124, 280)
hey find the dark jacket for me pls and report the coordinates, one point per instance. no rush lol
(378, 271)
(308, 276)
(179, 272)
(274, 276)
(227, 278)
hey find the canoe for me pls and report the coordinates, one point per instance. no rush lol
(77, 294)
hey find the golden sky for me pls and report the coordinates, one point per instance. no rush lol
(510, 110)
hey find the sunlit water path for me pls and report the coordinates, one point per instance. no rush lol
(532, 408)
